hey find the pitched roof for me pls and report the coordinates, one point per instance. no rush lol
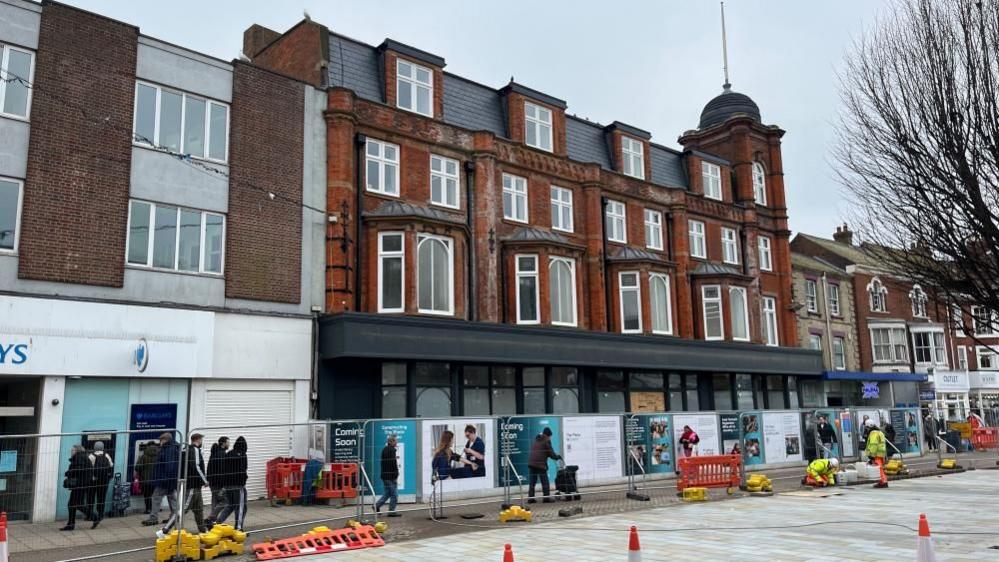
(404, 209)
(531, 234)
(627, 253)
(467, 104)
(853, 254)
(803, 261)
(708, 269)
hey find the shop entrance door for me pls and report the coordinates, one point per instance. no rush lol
(18, 407)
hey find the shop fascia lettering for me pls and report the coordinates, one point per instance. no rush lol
(13, 353)
(949, 382)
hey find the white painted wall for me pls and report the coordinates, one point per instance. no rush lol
(269, 347)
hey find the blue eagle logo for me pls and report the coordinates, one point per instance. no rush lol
(142, 355)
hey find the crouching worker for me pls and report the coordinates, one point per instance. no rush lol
(822, 472)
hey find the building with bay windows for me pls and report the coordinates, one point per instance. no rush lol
(491, 253)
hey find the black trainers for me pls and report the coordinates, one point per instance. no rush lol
(394, 514)
(96, 523)
(532, 500)
(67, 528)
(881, 485)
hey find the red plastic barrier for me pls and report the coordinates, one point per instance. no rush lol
(318, 542)
(716, 471)
(983, 438)
(338, 481)
(284, 478)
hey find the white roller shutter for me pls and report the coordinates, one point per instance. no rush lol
(235, 411)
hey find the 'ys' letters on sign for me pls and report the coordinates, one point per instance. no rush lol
(13, 353)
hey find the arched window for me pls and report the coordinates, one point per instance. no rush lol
(435, 274)
(739, 313)
(918, 298)
(878, 295)
(562, 291)
(662, 319)
(759, 184)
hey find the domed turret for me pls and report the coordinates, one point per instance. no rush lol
(728, 104)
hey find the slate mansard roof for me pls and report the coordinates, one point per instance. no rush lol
(469, 105)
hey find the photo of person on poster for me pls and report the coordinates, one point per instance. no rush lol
(750, 424)
(451, 459)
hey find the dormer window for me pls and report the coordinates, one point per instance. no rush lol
(414, 88)
(711, 177)
(759, 184)
(537, 126)
(633, 158)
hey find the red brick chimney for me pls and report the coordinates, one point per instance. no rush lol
(843, 235)
(256, 37)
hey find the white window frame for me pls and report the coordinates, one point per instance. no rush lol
(449, 244)
(745, 312)
(637, 290)
(572, 279)
(976, 312)
(537, 286)
(17, 215)
(768, 306)
(202, 247)
(759, 184)
(653, 229)
(938, 353)
(516, 187)
(711, 179)
(730, 245)
(616, 217)
(983, 351)
(209, 102)
(896, 339)
(444, 176)
(401, 254)
(633, 157)
(698, 239)
(414, 84)
(812, 295)
(669, 303)
(704, 312)
(877, 295)
(765, 248)
(962, 358)
(539, 124)
(383, 162)
(838, 353)
(834, 299)
(815, 342)
(5, 50)
(918, 299)
(561, 201)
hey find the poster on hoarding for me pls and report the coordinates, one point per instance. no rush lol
(912, 430)
(405, 455)
(846, 431)
(752, 443)
(820, 418)
(345, 442)
(781, 437)
(518, 435)
(706, 428)
(650, 442)
(731, 444)
(593, 443)
(862, 416)
(460, 451)
(319, 441)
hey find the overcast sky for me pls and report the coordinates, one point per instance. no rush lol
(651, 64)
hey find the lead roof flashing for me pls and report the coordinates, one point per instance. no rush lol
(534, 94)
(411, 52)
(628, 130)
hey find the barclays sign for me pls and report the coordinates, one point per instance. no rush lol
(13, 353)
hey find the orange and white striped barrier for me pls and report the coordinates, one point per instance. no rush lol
(507, 553)
(634, 549)
(4, 551)
(924, 544)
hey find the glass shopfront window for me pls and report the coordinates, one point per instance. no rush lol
(722, 387)
(675, 392)
(394, 390)
(744, 392)
(475, 393)
(504, 391)
(693, 402)
(775, 392)
(792, 393)
(565, 390)
(610, 392)
(646, 392)
(534, 390)
(433, 389)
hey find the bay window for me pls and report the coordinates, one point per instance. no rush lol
(739, 311)
(712, 311)
(435, 274)
(562, 291)
(631, 302)
(528, 302)
(391, 265)
(661, 306)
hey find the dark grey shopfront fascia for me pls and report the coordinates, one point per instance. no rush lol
(352, 345)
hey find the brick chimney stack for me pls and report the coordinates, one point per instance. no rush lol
(843, 235)
(256, 37)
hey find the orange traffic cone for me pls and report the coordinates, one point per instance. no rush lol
(634, 549)
(4, 551)
(507, 554)
(924, 544)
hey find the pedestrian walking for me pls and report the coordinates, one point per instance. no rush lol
(689, 440)
(195, 480)
(101, 472)
(77, 481)
(216, 478)
(390, 477)
(144, 468)
(827, 436)
(537, 464)
(234, 468)
(930, 431)
(165, 475)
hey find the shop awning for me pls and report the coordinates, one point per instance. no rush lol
(431, 339)
(860, 376)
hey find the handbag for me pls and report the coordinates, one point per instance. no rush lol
(69, 483)
(136, 486)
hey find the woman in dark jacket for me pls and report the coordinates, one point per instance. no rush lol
(216, 478)
(144, 469)
(77, 481)
(235, 467)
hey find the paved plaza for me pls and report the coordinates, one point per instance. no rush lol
(952, 503)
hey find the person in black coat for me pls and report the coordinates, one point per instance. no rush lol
(216, 478)
(390, 477)
(101, 473)
(78, 482)
(827, 436)
(165, 476)
(235, 465)
(537, 464)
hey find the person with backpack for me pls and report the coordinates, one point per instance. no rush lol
(77, 481)
(235, 483)
(144, 472)
(101, 472)
(165, 475)
(216, 478)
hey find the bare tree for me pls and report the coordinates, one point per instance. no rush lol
(918, 145)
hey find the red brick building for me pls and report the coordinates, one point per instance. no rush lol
(490, 253)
